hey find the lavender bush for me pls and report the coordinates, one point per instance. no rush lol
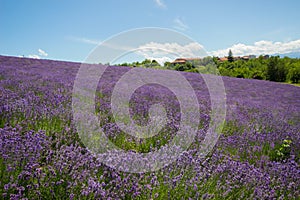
(42, 157)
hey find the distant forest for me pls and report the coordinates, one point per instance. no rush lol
(271, 68)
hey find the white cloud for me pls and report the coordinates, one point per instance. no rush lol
(117, 46)
(85, 40)
(34, 56)
(107, 44)
(42, 53)
(259, 48)
(162, 52)
(160, 3)
(180, 24)
(99, 42)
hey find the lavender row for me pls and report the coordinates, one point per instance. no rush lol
(42, 156)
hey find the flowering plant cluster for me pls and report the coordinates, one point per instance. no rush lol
(42, 157)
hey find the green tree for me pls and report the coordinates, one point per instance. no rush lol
(184, 67)
(230, 56)
(294, 73)
(167, 65)
(276, 69)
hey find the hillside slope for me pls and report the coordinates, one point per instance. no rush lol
(42, 155)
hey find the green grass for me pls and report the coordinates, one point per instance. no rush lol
(294, 84)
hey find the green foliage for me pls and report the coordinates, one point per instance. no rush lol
(276, 69)
(167, 65)
(271, 68)
(294, 73)
(230, 56)
(147, 63)
(262, 68)
(282, 151)
(185, 67)
(258, 75)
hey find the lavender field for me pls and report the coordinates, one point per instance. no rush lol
(42, 157)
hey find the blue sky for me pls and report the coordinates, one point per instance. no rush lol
(70, 30)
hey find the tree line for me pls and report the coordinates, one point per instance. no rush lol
(273, 68)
